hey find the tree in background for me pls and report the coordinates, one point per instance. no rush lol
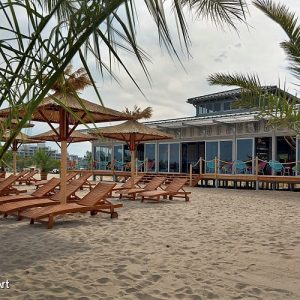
(281, 108)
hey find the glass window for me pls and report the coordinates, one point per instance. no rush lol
(174, 158)
(118, 157)
(126, 154)
(226, 151)
(150, 156)
(163, 157)
(211, 150)
(209, 107)
(244, 149)
(217, 106)
(227, 106)
(102, 157)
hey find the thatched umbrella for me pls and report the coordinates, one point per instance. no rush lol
(132, 132)
(20, 139)
(66, 108)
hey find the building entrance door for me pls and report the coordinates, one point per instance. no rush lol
(190, 154)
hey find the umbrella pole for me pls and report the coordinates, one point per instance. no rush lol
(132, 167)
(63, 171)
(14, 154)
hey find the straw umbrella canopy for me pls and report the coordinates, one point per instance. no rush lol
(20, 139)
(65, 108)
(132, 132)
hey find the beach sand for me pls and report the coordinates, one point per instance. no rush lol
(223, 244)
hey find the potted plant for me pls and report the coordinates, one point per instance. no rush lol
(44, 162)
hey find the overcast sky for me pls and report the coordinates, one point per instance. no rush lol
(254, 49)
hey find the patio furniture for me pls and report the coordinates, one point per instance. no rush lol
(28, 178)
(240, 167)
(174, 189)
(6, 187)
(276, 167)
(17, 207)
(155, 183)
(95, 201)
(210, 166)
(128, 184)
(41, 192)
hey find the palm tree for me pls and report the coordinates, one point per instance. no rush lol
(89, 27)
(279, 107)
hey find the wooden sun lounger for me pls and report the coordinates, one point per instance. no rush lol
(39, 193)
(19, 206)
(174, 189)
(127, 185)
(95, 201)
(6, 187)
(70, 176)
(155, 183)
(28, 178)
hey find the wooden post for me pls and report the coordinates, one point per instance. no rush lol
(216, 172)
(132, 167)
(256, 173)
(201, 166)
(14, 154)
(146, 165)
(191, 175)
(63, 171)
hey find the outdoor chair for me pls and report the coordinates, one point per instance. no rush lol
(94, 202)
(240, 167)
(210, 166)
(276, 167)
(41, 192)
(128, 184)
(155, 183)
(28, 178)
(226, 168)
(17, 207)
(70, 176)
(261, 167)
(296, 170)
(174, 189)
(6, 187)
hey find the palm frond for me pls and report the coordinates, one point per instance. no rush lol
(137, 113)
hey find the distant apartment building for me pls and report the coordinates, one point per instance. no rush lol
(30, 150)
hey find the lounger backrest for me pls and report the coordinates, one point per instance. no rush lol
(98, 193)
(21, 174)
(176, 185)
(29, 175)
(128, 183)
(72, 188)
(46, 188)
(154, 183)
(71, 175)
(8, 181)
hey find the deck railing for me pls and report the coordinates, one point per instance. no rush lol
(254, 167)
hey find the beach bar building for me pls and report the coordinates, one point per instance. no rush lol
(220, 138)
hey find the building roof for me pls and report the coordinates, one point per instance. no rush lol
(230, 94)
(226, 118)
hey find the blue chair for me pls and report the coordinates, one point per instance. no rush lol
(210, 166)
(240, 167)
(276, 167)
(118, 165)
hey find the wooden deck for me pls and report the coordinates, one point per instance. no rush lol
(210, 179)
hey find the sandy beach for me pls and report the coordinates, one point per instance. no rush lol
(223, 244)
